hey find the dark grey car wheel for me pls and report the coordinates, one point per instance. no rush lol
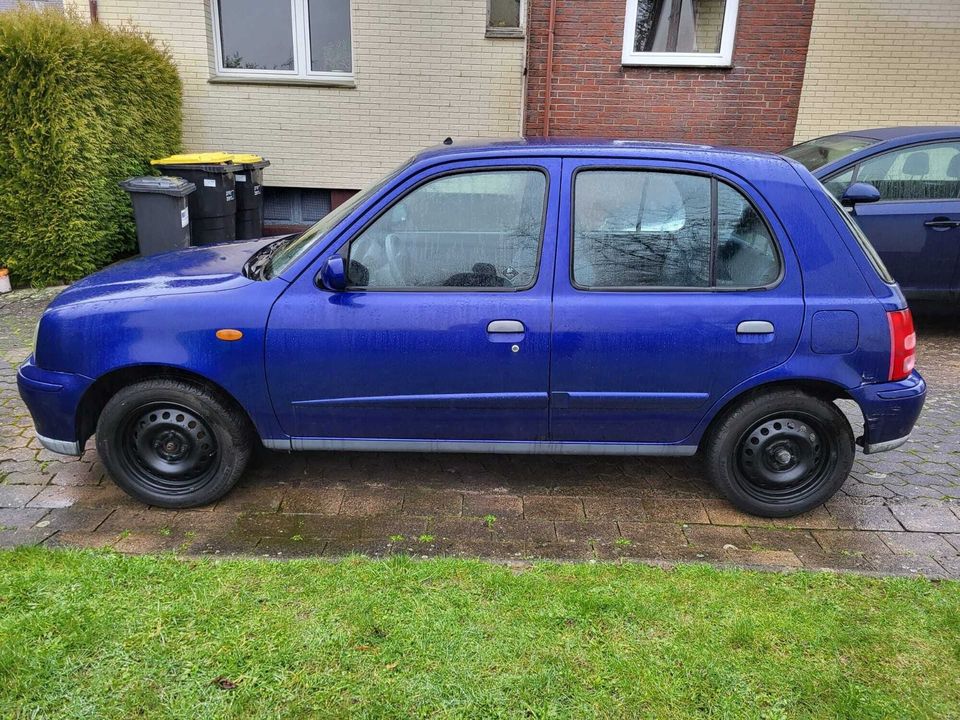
(172, 443)
(781, 453)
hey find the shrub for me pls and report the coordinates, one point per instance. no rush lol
(82, 106)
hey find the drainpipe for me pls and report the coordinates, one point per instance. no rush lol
(548, 75)
(93, 11)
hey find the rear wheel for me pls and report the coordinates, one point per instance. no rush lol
(781, 453)
(172, 443)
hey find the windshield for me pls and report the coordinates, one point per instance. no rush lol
(297, 245)
(814, 154)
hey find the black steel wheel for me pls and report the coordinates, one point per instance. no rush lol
(173, 444)
(781, 453)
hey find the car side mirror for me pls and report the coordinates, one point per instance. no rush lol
(859, 192)
(333, 274)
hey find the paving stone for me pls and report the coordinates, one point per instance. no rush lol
(926, 517)
(614, 508)
(952, 538)
(781, 539)
(850, 541)
(371, 501)
(907, 565)
(587, 530)
(523, 529)
(918, 543)
(560, 551)
(138, 520)
(24, 536)
(714, 536)
(855, 516)
(722, 513)
(306, 499)
(82, 539)
(552, 507)
(384, 527)
(432, 502)
(76, 519)
(246, 497)
(677, 510)
(500, 506)
(283, 548)
(15, 496)
(12, 518)
(652, 536)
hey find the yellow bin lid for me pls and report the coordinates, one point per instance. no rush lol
(207, 158)
(244, 158)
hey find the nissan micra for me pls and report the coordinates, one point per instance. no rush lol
(514, 297)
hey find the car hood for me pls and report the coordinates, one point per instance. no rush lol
(197, 269)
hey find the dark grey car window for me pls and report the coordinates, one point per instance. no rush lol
(649, 229)
(479, 229)
(919, 172)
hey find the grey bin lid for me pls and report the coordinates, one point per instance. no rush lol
(214, 168)
(163, 185)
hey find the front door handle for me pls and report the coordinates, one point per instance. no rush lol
(942, 223)
(505, 326)
(755, 327)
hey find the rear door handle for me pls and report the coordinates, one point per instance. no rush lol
(942, 223)
(755, 327)
(505, 326)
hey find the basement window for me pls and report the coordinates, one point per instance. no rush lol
(693, 33)
(285, 206)
(505, 18)
(284, 40)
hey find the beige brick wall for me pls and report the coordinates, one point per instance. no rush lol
(875, 63)
(423, 71)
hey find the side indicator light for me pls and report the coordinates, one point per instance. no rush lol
(229, 334)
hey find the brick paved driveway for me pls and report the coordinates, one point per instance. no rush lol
(899, 513)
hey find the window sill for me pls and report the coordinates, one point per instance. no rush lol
(679, 60)
(500, 33)
(250, 80)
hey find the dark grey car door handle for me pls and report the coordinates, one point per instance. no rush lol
(942, 222)
(755, 327)
(505, 326)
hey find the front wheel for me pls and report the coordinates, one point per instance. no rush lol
(173, 444)
(781, 453)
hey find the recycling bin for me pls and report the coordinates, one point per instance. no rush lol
(249, 182)
(213, 207)
(161, 211)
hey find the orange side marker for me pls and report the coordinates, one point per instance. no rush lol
(229, 334)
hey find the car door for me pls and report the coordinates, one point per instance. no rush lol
(915, 227)
(443, 332)
(670, 291)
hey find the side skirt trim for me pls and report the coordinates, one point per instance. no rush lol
(480, 446)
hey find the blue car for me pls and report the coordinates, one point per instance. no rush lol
(913, 218)
(514, 297)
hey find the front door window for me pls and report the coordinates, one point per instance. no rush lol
(469, 230)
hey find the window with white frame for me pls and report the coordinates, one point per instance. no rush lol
(283, 39)
(505, 18)
(679, 32)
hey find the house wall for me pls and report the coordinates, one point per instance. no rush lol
(423, 70)
(754, 103)
(881, 62)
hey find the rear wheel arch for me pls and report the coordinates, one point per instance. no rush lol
(107, 385)
(821, 389)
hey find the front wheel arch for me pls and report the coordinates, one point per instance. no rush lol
(107, 385)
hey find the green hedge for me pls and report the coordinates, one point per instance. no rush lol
(82, 106)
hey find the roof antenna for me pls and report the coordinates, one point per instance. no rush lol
(448, 141)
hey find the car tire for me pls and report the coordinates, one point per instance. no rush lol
(173, 444)
(780, 453)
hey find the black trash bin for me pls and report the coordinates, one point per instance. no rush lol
(160, 209)
(213, 207)
(249, 182)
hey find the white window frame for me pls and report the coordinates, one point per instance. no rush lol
(724, 58)
(496, 31)
(301, 53)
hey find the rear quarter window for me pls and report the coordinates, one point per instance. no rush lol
(862, 239)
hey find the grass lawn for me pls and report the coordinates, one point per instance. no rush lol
(100, 635)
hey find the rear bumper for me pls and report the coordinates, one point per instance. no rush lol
(890, 411)
(52, 399)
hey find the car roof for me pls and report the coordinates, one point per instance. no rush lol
(581, 147)
(910, 133)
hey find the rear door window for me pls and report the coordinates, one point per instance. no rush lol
(636, 229)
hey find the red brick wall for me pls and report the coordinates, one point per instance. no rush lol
(752, 104)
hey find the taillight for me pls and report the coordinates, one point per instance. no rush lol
(903, 344)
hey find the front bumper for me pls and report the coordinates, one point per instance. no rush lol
(890, 411)
(52, 399)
